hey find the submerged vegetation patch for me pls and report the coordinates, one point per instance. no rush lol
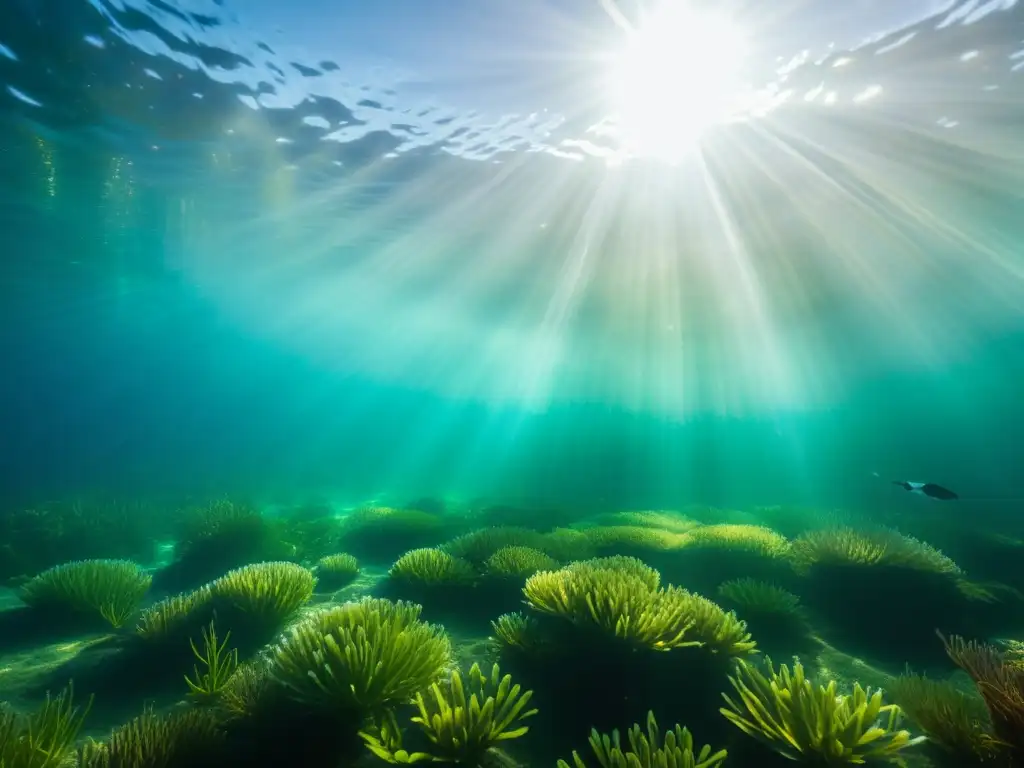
(111, 589)
(394, 636)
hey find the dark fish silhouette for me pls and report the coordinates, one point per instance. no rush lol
(930, 490)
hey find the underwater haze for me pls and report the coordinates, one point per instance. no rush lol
(424, 244)
(511, 384)
(487, 248)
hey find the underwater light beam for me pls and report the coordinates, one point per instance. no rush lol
(457, 299)
(881, 238)
(757, 329)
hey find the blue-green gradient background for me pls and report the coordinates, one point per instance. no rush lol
(169, 323)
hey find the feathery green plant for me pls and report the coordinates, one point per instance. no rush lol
(518, 562)
(44, 738)
(219, 664)
(111, 588)
(954, 721)
(462, 728)
(433, 567)
(150, 740)
(519, 632)
(621, 598)
(174, 615)
(362, 656)
(674, 749)
(271, 592)
(802, 721)
(336, 571)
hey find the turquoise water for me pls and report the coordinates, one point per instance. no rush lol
(417, 255)
(353, 286)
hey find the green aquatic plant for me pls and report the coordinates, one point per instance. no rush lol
(44, 738)
(615, 602)
(633, 538)
(463, 720)
(478, 546)
(518, 562)
(624, 564)
(760, 597)
(270, 592)
(789, 713)
(957, 723)
(876, 547)
(757, 539)
(113, 589)
(432, 567)
(718, 631)
(565, 544)
(336, 571)
(173, 615)
(666, 520)
(837, 546)
(625, 602)
(219, 664)
(846, 569)
(188, 737)
(389, 516)
(361, 657)
(383, 737)
(515, 631)
(653, 749)
(775, 614)
(243, 691)
(999, 678)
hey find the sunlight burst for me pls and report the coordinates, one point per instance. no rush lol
(677, 75)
